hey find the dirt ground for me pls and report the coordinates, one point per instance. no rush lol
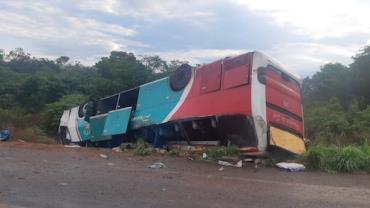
(35, 175)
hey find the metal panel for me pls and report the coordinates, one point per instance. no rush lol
(236, 71)
(97, 127)
(211, 77)
(117, 121)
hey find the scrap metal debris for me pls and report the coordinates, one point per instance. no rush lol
(292, 167)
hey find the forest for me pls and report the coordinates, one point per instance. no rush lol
(35, 91)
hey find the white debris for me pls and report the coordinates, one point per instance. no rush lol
(157, 165)
(72, 145)
(104, 156)
(239, 164)
(221, 168)
(110, 164)
(294, 167)
(204, 156)
(117, 149)
(248, 160)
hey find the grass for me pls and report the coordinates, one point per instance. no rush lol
(216, 153)
(338, 159)
(31, 134)
(142, 148)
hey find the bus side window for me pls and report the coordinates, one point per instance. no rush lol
(236, 71)
(107, 104)
(211, 77)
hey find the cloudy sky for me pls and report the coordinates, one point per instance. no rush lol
(302, 35)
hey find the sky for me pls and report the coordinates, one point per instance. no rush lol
(302, 35)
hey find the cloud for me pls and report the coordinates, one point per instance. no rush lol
(301, 34)
(306, 58)
(56, 31)
(316, 18)
(151, 11)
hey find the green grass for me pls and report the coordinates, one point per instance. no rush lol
(338, 159)
(142, 148)
(216, 153)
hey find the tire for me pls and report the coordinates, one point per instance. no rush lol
(181, 77)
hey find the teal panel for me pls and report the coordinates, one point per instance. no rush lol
(156, 100)
(116, 121)
(83, 129)
(97, 127)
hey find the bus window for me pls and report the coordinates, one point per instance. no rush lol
(107, 104)
(236, 71)
(211, 77)
(128, 99)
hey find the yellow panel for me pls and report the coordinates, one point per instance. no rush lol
(286, 140)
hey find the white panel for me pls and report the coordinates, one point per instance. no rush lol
(72, 125)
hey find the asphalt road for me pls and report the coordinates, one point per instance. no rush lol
(39, 176)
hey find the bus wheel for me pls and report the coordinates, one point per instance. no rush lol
(180, 77)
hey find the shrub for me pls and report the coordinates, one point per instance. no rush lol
(338, 159)
(142, 148)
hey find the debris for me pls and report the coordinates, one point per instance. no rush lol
(63, 184)
(293, 167)
(72, 145)
(117, 149)
(110, 164)
(248, 160)
(161, 151)
(157, 165)
(21, 140)
(4, 135)
(204, 155)
(104, 156)
(257, 162)
(190, 158)
(164, 189)
(221, 168)
(239, 164)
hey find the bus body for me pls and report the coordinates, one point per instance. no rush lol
(247, 100)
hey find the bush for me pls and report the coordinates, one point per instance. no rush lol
(142, 148)
(338, 159)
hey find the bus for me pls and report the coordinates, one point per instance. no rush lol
(248, 100)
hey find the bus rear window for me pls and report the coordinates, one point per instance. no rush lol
(273, 71)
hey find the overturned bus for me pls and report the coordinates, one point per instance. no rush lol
(246, 100)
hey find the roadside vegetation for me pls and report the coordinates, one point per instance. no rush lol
(334, 158)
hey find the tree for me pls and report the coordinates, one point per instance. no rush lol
(2, 54)
(61, 61)
(361, 75)
(123, 70)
